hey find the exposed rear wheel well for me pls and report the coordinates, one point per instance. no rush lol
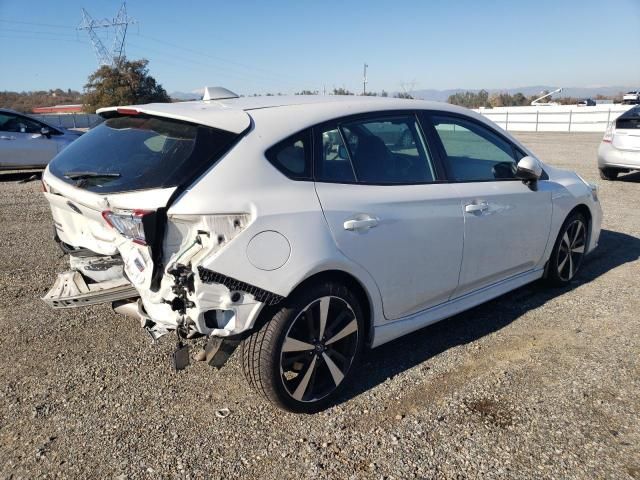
(352, 284)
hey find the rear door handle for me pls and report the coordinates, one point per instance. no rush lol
(476, 207)
(364, 222)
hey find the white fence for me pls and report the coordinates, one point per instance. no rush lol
(554, 118)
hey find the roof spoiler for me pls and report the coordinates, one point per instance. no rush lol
(217, 93)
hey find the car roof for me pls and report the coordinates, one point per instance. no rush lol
(232, 114)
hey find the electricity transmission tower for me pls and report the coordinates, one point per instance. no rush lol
(119, 23)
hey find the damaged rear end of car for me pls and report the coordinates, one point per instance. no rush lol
(111, 194)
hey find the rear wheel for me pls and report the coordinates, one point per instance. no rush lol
(569, 250)
(303, 356)
(608, 173)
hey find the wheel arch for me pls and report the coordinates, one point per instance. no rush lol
(355, 285)
(339, 276)
(579, 208)
(586, 211)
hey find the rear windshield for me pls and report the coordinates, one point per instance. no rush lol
(140, 152)
(629, 120)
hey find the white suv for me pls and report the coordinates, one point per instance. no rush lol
(306, 228)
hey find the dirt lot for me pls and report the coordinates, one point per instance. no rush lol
(536, 384)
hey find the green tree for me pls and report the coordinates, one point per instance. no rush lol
(403, 95)
(128, 83)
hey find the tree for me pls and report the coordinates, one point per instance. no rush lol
(341, 91)
(128, 83)
(403, 95)
(307, 92)
(470, 99)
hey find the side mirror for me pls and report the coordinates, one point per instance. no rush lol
(529, 169)
(45, 132)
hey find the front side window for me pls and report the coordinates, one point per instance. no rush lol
(473, 152)
(387, 150)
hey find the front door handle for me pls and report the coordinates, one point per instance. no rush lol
(363, 222)
(476, 207)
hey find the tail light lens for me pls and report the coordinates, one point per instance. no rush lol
(129, 225)
(608, 134)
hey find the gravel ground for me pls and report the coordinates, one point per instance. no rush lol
(535, 384)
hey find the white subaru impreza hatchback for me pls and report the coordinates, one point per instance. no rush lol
(306, 228)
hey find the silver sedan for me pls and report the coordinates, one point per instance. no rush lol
(29, 143)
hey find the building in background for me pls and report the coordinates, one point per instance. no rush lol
(58, 109)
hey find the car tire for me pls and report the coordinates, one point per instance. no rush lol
(568, 251)
(297, 363)
(608, 173)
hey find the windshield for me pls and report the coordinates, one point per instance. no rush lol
(140, 152)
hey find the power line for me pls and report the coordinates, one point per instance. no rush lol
(213, 57)
(209, 66)
(38, 32)
(37, 24)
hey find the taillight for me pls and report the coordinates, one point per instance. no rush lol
(608, 134)
(129, 225)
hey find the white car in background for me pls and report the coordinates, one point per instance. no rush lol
(307, 228)
(27, 143)
(619, 151)
(632, 97)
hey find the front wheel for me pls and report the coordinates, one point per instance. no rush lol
(568, 251)
(302, 357)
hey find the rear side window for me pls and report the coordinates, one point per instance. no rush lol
(292, 156)
(473, 152)
(387, 151)
(140, 152)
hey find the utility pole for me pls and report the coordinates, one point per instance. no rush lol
(364, 80)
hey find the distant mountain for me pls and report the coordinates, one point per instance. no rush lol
(577, 92)
(186, 95)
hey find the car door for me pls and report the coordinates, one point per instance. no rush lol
(21, 143)
(387, 209)
(506, 222)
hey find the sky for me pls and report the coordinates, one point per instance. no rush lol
(287, 46)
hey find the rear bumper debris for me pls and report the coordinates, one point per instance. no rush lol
(71, 290)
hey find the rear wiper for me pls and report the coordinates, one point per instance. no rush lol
(83, 175)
